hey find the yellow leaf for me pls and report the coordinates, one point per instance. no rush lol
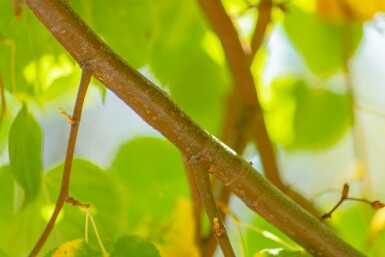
(377, 225)
(178, 239)
(68, 249)
(349, 10)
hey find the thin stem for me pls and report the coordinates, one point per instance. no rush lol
(264, 18)
(18, 6)
(157, 109)
(197, 203)
(263, 233)
(200, 166)
(88, 213)
(345, 197)
(2, 100)
(63, 195)
(12, 45)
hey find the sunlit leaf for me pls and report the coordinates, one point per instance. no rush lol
(302, 117)
(89, 184)
(75, 248)
(134, 27)
(133, 246)
(26, 44)
(353, 10)
(202, 76)
(6, 193)
(269, 237)
(151, 171)
(179, 239)
(25, 153)
(323, 48)
(4, 130)
(352, 221)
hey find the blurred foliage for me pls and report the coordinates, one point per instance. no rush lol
(144, 190)
(300, 116)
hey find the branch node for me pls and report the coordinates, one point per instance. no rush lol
(76, 203)
(70, 120)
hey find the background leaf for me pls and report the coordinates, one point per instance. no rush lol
(75, 248)
(299, 116)
(199, 83)
(133, 246)
(319, 42)
(89, 184)
(134, 21)
(150, 168)
(31, 60)
(25, 153)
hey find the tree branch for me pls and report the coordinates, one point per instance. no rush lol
(239, 64)
(264, 16)
(151, 102)
(251, 115)
(63, 194)
(200, 166)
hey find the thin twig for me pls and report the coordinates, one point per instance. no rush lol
(2, 99)
(197, 203)
(12, 45)
(264, 18)
(345, 197)
(263, 233)
(200, 166)
(18, 6)
(63, 195)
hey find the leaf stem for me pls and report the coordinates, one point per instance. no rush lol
(63, 195)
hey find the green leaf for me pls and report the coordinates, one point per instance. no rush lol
(6, 193)
(302, 117)
(89, 184)
(128, 246)
(320, 43)
(201, 77)
(4, 130)
(282, 253)
(133, 30)
(266, 236)
(25, 153)
(31, 60)
(74, 248)
(3, 254)
(151, 171)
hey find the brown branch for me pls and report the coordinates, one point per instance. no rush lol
(264, 17)
(149, 101)
(243, 79)
(197, 203)
(63, 195)
(252, 113)
(200, 166)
